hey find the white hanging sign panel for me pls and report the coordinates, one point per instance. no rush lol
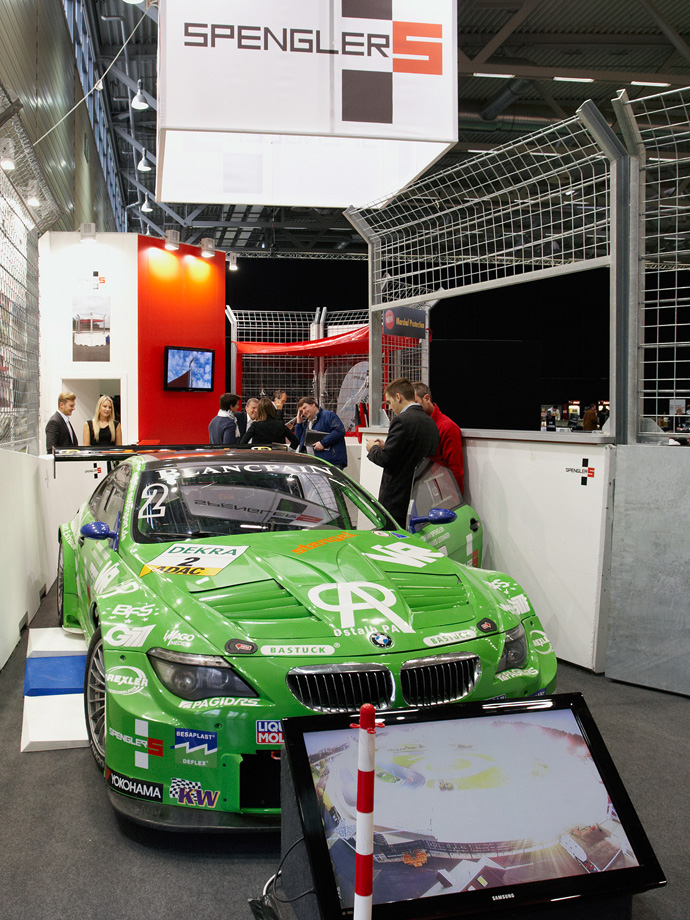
(307, 102)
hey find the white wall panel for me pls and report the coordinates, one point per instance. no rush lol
(547, 529)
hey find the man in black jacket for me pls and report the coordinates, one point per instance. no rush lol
(222, 429)
(59, 431)
(412, 436)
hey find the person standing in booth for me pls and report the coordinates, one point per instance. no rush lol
(59, 431)
(267, 429)
(103, 428)
(222, 429)
(412, 436)
(450, 447)
(331, 446)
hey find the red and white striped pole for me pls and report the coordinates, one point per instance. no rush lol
(364, 840)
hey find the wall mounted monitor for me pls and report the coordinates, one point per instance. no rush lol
(477, 808)
(188, 370)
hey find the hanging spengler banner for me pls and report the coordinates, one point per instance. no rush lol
(313, 102)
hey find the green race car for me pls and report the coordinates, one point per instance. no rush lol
(221, 591)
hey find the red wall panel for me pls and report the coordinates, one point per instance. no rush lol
(181, 302)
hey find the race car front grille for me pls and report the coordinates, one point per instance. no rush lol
(343, 687)
(438, 680)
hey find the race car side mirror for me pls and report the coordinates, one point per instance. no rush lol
(435, 516)
(98, 530)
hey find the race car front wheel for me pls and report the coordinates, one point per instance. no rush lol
(60, 585)
(94, 698)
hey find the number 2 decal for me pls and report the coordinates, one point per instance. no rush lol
(151, 507)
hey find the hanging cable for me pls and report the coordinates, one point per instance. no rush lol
(98, 85)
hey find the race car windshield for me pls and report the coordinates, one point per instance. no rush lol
(238, 500)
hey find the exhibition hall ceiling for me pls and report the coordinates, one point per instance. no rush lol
(522, 65)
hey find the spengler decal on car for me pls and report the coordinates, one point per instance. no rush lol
(193, 559)
(359, 595)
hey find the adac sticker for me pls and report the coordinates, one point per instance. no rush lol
(194, 559)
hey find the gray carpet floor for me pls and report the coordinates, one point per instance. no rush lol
(66, 855)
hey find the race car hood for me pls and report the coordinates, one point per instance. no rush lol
(280, 587)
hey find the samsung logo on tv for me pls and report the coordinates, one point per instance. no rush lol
(501, 897)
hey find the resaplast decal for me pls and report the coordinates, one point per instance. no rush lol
(196, 748)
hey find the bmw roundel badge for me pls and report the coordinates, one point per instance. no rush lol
(380, 640)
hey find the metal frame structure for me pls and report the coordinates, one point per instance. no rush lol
(559, 200)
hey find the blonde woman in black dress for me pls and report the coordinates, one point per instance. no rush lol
(103, 428)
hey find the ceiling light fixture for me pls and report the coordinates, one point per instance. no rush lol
(146, 207)
(647, 83)
(139, 102)
(497, 76)
(172, 239)
(574, 79)
(208, 248)
(87, 233)
(143, 165)
(32, 199)
(232, 261)
(7, 154)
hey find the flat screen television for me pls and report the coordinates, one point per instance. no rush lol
(476, 808)
(188, 369)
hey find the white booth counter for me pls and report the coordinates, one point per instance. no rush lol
(543, 499)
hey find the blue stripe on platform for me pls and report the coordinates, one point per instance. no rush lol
(57, 674)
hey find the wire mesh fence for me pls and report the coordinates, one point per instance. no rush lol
(539, 203)
(659, 133)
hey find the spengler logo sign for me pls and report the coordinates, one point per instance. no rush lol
(349, 67)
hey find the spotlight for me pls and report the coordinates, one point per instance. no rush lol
(87, 233)
(143, 165)
(32, 198)
(146, 207)
(208, 248)
(232, 261)
(139, 101)
(172, 239)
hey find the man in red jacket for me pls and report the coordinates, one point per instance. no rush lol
(449, 451)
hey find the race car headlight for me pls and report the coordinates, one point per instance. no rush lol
(514, 650)
(197, 677)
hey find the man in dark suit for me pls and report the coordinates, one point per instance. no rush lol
(59, 431)
(245, 418)
(279, 399)
(412, 436)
